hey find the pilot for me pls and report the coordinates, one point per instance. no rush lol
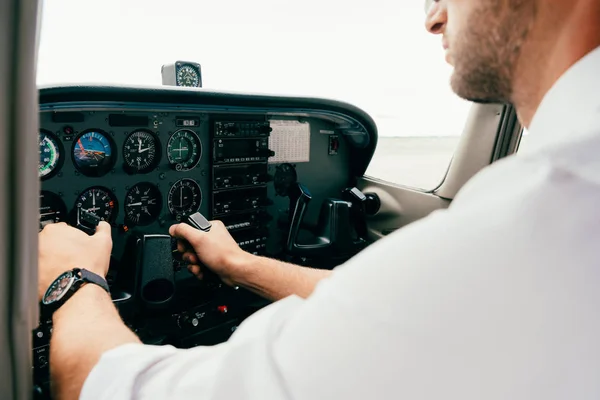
(494, 298)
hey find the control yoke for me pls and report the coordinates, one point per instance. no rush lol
(148, 274)
(340, 229)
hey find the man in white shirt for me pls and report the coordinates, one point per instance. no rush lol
(495, 298)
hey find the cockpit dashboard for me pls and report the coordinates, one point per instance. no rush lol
(143, 159)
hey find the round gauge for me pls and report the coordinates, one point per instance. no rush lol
(141, 151)
(93, 153)
(188, 76)
(184, 150)
(52, 208)
(98, 201)
(184, 198)
(50, 154)
(59, 288)
(143, 204)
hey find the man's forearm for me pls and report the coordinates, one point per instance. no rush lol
(84, 328)
(275, 279)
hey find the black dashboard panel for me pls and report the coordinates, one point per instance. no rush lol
(146, 158)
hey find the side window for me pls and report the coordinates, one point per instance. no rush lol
(418, 116)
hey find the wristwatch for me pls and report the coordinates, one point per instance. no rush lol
(67, 284)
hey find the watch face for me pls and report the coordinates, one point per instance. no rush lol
(59, 288)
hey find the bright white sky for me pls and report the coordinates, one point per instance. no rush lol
(374, 54)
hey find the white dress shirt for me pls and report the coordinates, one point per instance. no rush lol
(497, 297)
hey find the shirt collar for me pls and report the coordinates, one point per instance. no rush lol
(571, 107)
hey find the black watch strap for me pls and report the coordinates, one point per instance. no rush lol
(91, 277)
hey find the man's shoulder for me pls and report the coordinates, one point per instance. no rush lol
(551, 175)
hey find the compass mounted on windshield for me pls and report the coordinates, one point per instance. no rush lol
(182, 73)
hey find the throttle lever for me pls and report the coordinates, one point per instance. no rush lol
(199, 222)
(299, 198)
(359, 205)
(87, 222)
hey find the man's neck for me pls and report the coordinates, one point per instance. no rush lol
(571, 34)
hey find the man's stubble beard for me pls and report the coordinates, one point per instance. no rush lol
(486, 53)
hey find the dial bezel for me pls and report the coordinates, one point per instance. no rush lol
(194, 71)
(132, 169)
(111, 195)
(159, 206)
(61, 154)
(57, 200)
(95, 172)
(198, 150)
(71, 281)
(175, 213)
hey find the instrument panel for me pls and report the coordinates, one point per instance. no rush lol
(142, 165)
(146, 176)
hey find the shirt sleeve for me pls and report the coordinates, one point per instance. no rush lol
(241, 368)
(477, 302)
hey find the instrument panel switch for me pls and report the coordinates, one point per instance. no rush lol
(334, 145)
(222, 309)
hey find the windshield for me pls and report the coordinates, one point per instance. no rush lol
(374, 54)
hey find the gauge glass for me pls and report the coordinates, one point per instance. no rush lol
(140, 151)
(184, 198)
(143, 204)
(184, 150)
(98, 201)
(59, 288)
(187, 76)
(93, 153)
(50, 154)
(52, 208)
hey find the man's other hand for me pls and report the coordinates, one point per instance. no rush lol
(62, 248)
(215, 249)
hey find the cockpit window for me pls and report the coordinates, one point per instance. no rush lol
(374, 54)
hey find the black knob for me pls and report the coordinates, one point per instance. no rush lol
(38, 393)
(372, 204)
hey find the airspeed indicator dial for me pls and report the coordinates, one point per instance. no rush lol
(50, 154)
